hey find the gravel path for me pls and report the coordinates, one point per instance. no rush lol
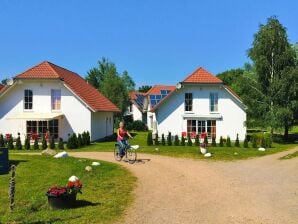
(173, 190)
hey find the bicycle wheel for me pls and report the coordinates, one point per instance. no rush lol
(117, 152)
(131, 155)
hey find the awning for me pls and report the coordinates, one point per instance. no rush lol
(215, 116)
(35, 116)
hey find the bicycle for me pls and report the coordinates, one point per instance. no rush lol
(130, 153)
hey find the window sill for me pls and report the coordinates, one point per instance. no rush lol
(189, 112)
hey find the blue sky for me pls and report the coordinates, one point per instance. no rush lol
(157, 42)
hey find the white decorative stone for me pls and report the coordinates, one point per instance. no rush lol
(157, 149)
(61, 155)
(203, 150)
(73, 179)
(262, 149)
(208, 154)
(235, 153)
(88, 168)
(95, 164)
(135, 147)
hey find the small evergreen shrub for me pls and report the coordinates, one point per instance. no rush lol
(2, 143)
(254, 141)
(245, 143)
(237, 144)
(197, 140)
(156, 142)
(221, 142)
(206, 140)
(229, 142)
(84, 138)
(169, 139)
(88, 138)
(163, 140)
(44, 144)
(19, 143)
(80, 141)
(139, 126)
(10, 144)
(52, 143)
(268, 140)
(60, 144)
(27, 143)
(262, 142)
(176, 141)
(149, 139)
(35, 145)
(189, 142)
(182, 141)
(213, 143)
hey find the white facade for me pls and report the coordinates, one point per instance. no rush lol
(135, 112)
(229, 119)
(74, 115)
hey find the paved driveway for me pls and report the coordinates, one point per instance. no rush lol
(174, 190)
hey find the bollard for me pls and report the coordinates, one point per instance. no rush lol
(12, 187)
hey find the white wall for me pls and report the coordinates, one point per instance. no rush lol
(136, 113)
(169, 115)
(101, 125)
(77, 116)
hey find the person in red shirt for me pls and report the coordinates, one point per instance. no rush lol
(122, 136)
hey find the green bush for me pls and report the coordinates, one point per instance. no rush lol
(182, 141)
(44, 144)
(52, 143)
(176, 141)
(189, 142)
(10, 144)
(19, 143)
(206, 140)
(221, 142)
(149, 139)
(213, 143)
(72, 142)
(156, 142)
(60, 144)
(169, 139)
(88, 138)
(163, 140)
(36, 146)
(27, 143)
(268, 140)
(237, 143)
(245, 143)
(262, 142)
(197, 140)
(2, 143)
(254, 141)
(229, 142)
(139, 126)
(80, 141)
(84, 138)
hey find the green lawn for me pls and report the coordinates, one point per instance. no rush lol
(290, 156)
(107, 191)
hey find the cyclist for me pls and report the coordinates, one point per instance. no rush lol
(122, 135)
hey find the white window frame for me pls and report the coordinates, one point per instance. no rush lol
(188, 100)
(53, 94)
(213, 102)
(28, 102)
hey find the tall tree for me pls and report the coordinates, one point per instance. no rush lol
(128, 82)
(275, 62)
(144, 89)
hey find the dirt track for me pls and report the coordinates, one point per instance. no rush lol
(172, 190)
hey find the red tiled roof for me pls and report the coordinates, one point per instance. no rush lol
(132, 94)
(91, 96)
(1, 86)
(157, 88)
(201, 75)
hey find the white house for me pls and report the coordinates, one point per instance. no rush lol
(200, 103)
(136, 108)
(49, 97)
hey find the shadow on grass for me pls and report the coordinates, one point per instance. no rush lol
(84, 203)
(16, 162)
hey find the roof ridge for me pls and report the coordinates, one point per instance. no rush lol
(192, 73)
(50, 64)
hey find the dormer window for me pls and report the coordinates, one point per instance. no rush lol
(28, 99)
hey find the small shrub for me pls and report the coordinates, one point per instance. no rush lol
(72, 142)
(52, 143)
(156, 142)
(10, 143)
(169, 139)
(245, 143)
(213, 143)
(182, 141)
(229, 142)
(221, 142)
(19, 143)
(237, 144)
(268, 140)
(84, 138)
(262, 142)
(206, 140)
(149, 139)
(189, 142)
(163, 140)
(35, 145)
(139, 126)
(44, 144)
(88, 138)
(197, 140)
(60, 144)
(176, 141)
(2, 143)
(80, 141)
(27, 143)
(254, 141)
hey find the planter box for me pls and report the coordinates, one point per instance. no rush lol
(4, 165)
(62, 202)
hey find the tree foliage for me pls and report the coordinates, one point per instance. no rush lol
(144, 88)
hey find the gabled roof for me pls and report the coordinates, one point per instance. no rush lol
(201, 75)
(86, 92)
(157, 88)
(137, 98)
